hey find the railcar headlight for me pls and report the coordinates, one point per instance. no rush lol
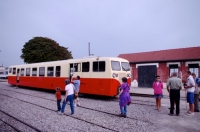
(114, 75)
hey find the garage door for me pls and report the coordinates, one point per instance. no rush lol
(146, 75)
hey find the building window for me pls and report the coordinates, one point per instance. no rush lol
(34, 71)
(99, 66)
(194, 68)
(85, 67)
(173, 68)
(10, 70)
(28, 71)
(76, 66)
(57, 71)
(22, 72)
(50, 71)
(41, 71)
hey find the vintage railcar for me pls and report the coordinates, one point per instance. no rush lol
(99, 75)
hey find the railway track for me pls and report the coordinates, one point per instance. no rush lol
(116, 100)
(79, 106)
(92, 123)
(18, 120)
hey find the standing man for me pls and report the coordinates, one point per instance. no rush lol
(196, 95)
(174, 85)
(190, 87)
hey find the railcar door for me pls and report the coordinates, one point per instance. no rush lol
(17, 77)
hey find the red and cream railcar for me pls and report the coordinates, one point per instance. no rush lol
(99, 75)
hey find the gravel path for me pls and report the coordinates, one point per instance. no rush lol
(94, 115)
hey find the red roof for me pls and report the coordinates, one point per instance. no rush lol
(191, 53)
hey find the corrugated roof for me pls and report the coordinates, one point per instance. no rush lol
(190, 53)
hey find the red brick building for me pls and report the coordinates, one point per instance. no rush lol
(146, 65)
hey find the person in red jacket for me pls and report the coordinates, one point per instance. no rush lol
(158, 94)
(58, 98)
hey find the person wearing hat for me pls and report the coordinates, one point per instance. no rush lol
(69, 96)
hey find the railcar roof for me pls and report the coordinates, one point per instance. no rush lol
(92, 58)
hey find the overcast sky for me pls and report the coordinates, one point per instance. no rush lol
(112, 27)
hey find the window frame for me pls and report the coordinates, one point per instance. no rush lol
(57, 71)
(28, 72)
(98, 67)
(118, 67)
(125, 67)
(88, 70)
(21, 72)
(14, 70)
(33, 71)
(51, 74)
(78, 69)
(174, 67)
(10, 70)
(41, 75)
(194, 68)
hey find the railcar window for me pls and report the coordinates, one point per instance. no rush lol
(50, 71)
(125, 66)
(34, 71)
(76, 66)
(85, 67)
(28, 71)
(41, 71)
(22, 72)
(115, 66)
(14, 70)
(57, 71)
(99, 66)
(10, 70)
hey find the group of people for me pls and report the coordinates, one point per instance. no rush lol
(70, 90)
(174, 85)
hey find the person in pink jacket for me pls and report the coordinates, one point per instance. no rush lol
(158, 94)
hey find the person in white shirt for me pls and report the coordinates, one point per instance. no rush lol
(69, 96)
(190, 87)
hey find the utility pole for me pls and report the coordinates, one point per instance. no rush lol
(89, 48)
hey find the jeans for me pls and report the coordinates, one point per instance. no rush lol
(69, 98)
(123, 110)
(174, 97)
(58, 104)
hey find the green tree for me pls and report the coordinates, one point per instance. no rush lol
(42, 49)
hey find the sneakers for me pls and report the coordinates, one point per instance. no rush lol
(74, 105)
(78, 104)
(189, 113)
(60, 113)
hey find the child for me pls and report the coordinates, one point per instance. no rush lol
(58, 98)
(77, 88)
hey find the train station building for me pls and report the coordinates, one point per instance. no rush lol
(146, 65)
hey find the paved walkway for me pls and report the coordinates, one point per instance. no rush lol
(149, 91)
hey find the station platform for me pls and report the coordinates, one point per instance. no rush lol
(150, 92)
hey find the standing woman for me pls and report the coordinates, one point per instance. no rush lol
(124, 97)
(69, 96)
(158, 86)
(196, 95)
